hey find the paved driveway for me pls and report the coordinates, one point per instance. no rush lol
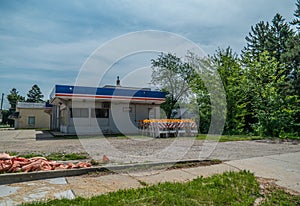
(122, 150)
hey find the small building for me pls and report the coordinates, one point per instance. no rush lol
(103, 110)
(29, 115)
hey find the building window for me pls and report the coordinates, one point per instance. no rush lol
(100, 113)
(127, 109)
(31, 121)
(79, 112)
(106, 105)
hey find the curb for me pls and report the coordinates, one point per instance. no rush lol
(39, 175)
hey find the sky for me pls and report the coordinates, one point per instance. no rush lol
(47, 42)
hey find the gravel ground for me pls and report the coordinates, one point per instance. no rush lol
(123, 151)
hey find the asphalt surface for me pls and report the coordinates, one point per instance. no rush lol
(277, 160)
(140, 150)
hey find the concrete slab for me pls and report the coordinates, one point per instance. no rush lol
(210, 170)
(18, 193)
(68, 194)
(6, 190)
(57, 181)
(90, 186)
(165, 176)
(285, 168)
(145, 173)
(181, 175)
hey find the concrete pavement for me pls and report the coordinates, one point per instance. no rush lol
(285, 168)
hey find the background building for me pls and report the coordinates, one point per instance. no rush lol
(32, 115)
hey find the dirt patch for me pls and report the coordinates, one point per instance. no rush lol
(279, 141)
(267, 186)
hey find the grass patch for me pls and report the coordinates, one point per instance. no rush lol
(227, 138)
(5, 126)
(66, 157)
(54, 156)
(230, 188)
(290, 138)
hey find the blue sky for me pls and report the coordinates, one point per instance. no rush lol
(46, 42)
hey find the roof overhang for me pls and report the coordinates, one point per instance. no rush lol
(103, 98)
(77, 93)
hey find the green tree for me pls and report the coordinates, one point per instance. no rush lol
(281, 33)
(274, 112)
(283, 44)
(272, 38)
(229, 68)
(293, 54)
(165, 75)
(35, 94)
(13, 98)
(5, 114)
(296, 21)
(258, 40)
(206, 84)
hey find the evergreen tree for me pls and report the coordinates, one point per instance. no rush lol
(281, 33)
(35, 94)
(13, 98)
(296, 21)
(271, 38)
(293, 55)
(258, 40)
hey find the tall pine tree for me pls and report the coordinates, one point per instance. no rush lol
(296, 21)
(258, 40)
(35, 94)
(271, 38)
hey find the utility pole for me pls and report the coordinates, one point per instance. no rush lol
(1, 116)
(2, 101)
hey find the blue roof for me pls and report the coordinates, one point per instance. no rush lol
(105, 92)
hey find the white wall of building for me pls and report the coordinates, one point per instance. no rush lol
(122, 117)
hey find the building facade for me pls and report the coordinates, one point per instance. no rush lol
(30, 115)
(102, 110)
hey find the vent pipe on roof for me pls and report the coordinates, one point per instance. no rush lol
(118, 82)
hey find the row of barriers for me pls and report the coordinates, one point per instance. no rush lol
(168, 127)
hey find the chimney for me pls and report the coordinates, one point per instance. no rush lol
(118, 82)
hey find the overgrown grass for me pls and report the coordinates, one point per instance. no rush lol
(54, 156)
(229, 188)
(5, 126)
(290, 137)
(227, 138)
